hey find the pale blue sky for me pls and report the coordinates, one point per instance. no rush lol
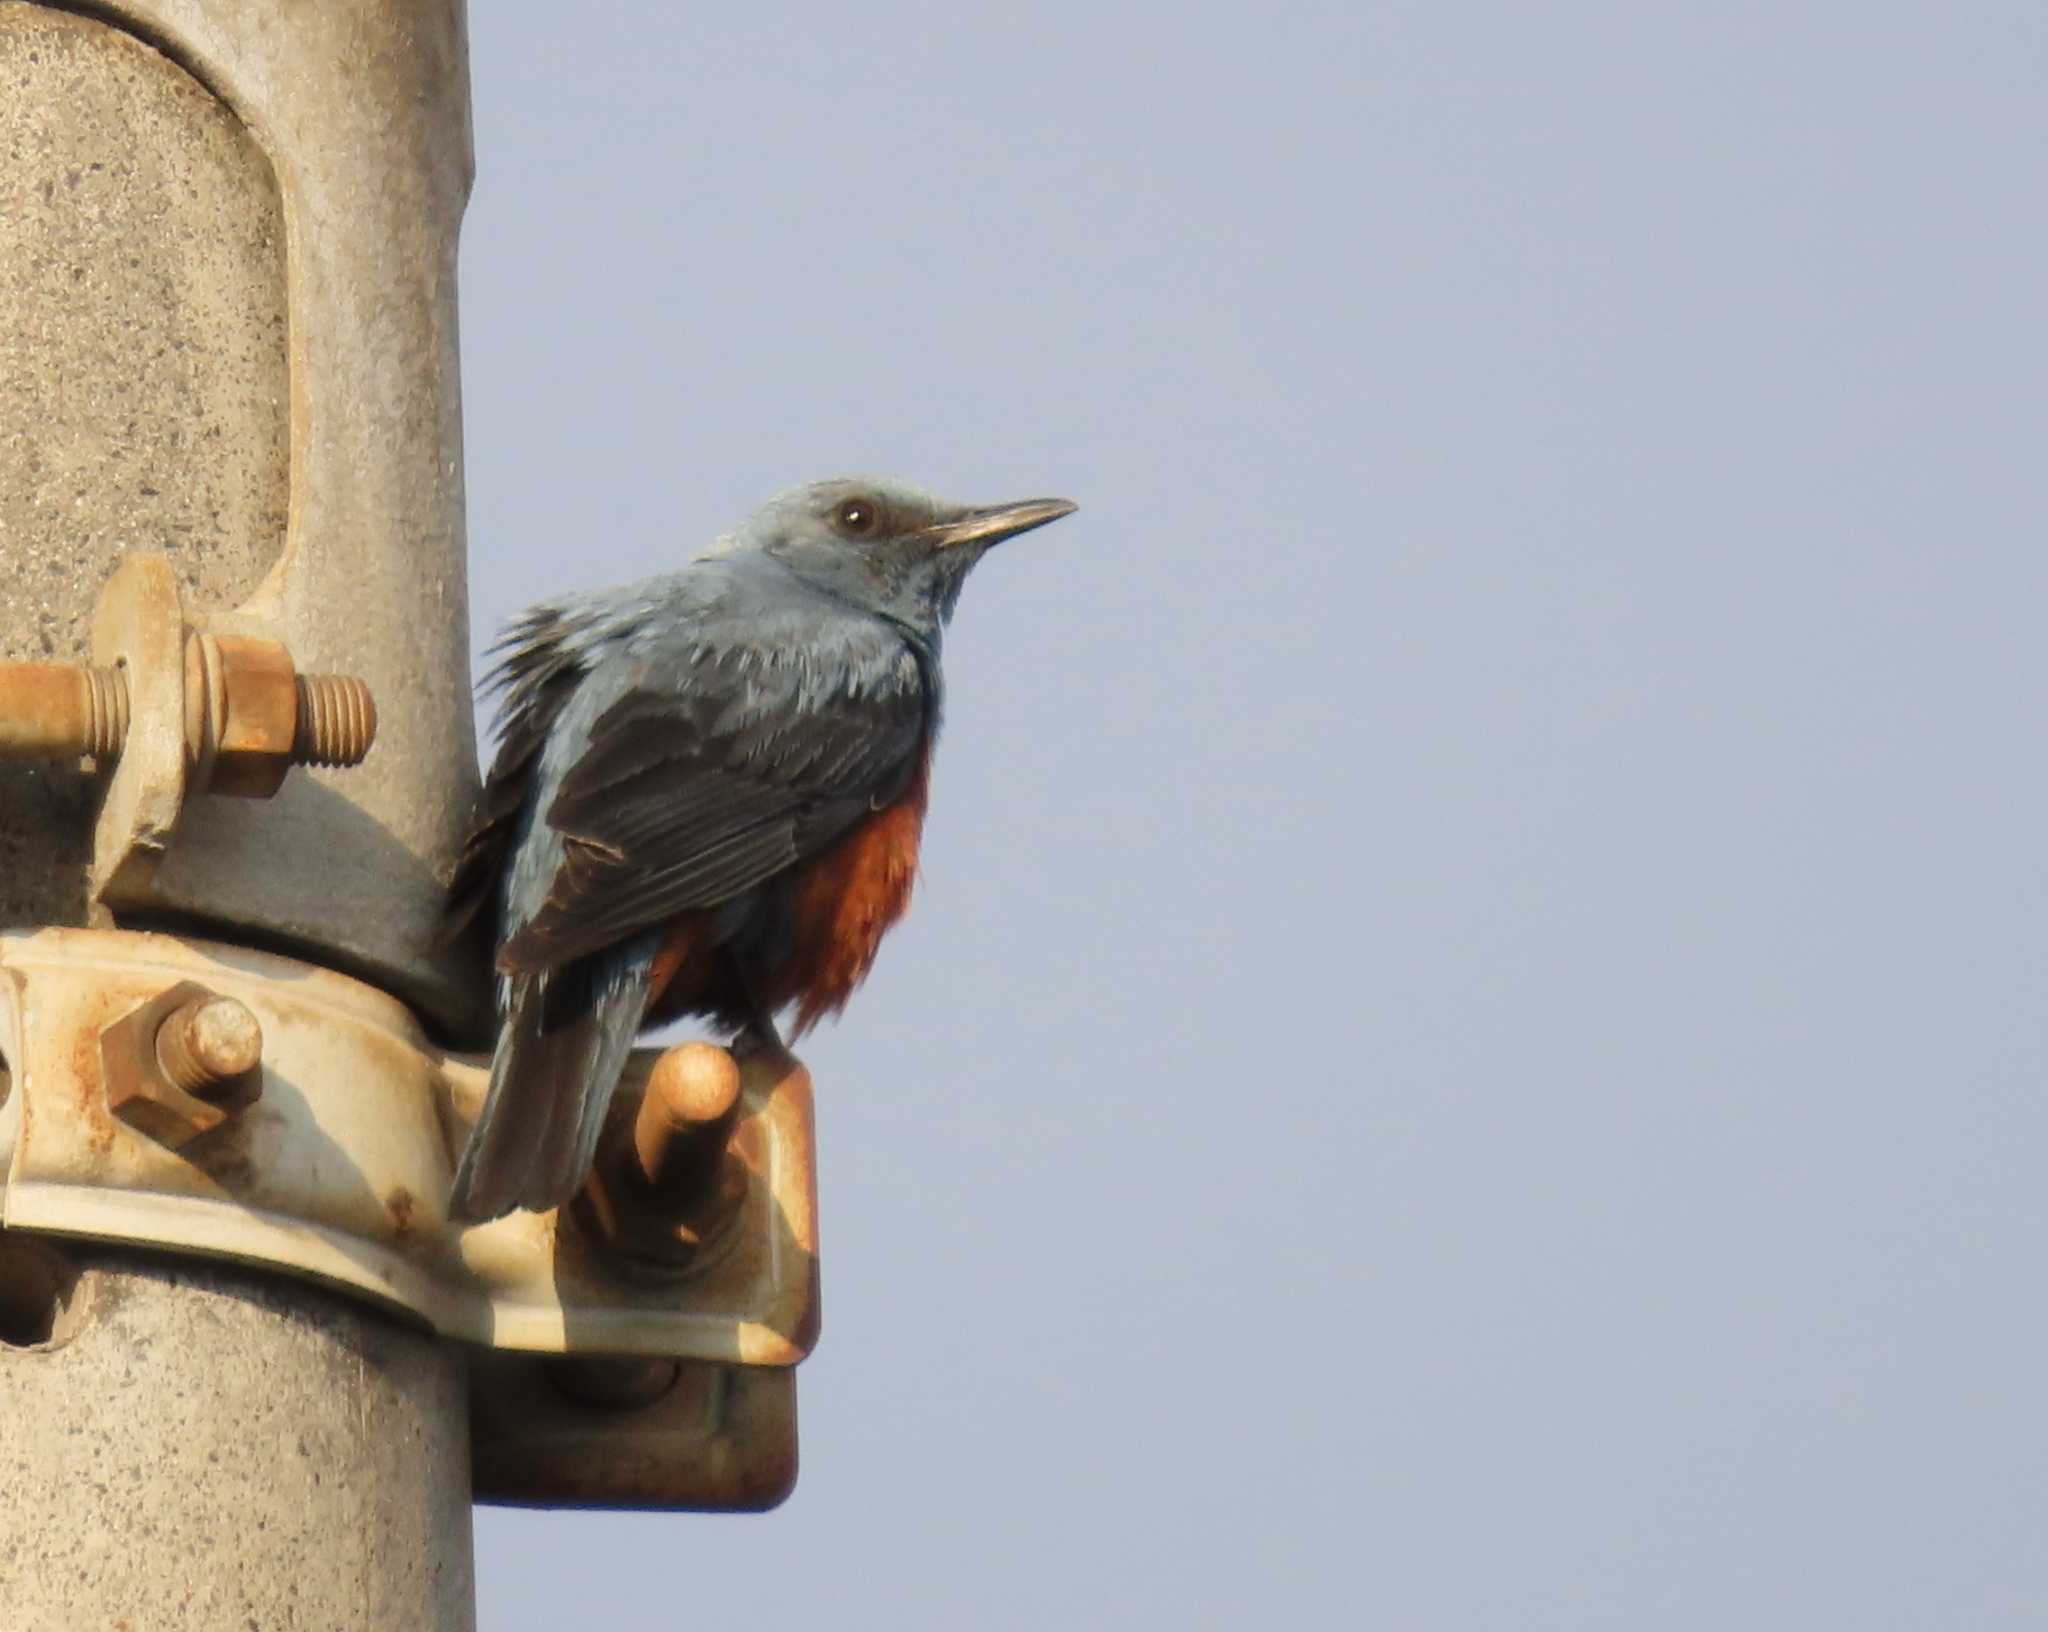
(1470, 1053)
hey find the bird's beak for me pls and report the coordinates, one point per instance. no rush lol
(1001, 521)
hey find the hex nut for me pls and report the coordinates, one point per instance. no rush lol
(204, 1034)
(241, 711)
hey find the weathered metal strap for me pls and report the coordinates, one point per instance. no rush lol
(128, 1120)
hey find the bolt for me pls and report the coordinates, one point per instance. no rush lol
(181, 1063)
(685, 1117)
(666, 1196)
(107, 710)
(60, 709)
(337, 720)
(207, 1042)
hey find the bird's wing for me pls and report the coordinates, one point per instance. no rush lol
(710, 762)
(539, 663)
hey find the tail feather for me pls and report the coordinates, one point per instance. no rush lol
(562, 1041)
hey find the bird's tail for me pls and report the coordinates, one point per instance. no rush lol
(563, 1035)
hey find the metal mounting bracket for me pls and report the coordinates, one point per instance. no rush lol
(176, 709)
(332, 1160)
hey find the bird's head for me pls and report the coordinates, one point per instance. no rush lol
(886, 546)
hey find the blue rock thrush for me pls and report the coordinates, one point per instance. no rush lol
(707, 800)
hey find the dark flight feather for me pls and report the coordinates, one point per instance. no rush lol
(683, 801)
(563, 1042)
(537, 669)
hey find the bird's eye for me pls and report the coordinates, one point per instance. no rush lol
(856, 518)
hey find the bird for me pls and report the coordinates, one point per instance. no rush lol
(707, 799)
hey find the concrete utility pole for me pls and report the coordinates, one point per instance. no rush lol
(227, 334)
(250, 1373)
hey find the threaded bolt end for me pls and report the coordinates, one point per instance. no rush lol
(208, 1041)
(106, 727)
(337, 720)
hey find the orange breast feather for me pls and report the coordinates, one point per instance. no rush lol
(846, 900)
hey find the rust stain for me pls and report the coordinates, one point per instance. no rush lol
(403, 1206)
(86, 1067)
(46, 709)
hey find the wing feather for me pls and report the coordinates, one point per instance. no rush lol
(538, 667)
(704, 775)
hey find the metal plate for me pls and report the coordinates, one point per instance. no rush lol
(339, 1167)
(718, 1438)
(140, 626)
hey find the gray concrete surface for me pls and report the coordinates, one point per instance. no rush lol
(143, 389)
(196, 1447)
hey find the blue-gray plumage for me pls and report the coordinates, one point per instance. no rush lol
(707, 799)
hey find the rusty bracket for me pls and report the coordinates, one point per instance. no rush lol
(332, 1159)
(175, 709)
(180, 1063)
(570, 1432)
(635, 1349)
